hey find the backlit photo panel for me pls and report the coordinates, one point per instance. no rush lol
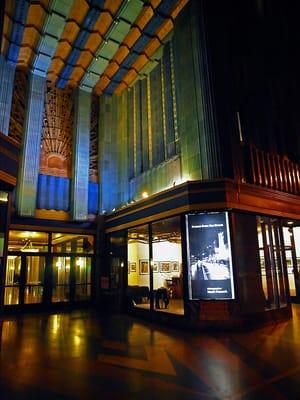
(209, 256)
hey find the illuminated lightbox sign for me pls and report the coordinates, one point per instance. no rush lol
(209, 256)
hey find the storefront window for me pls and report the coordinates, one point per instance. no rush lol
(27, 241)
(139, 267)
(167, 266)
(69, 243)
(209, 256)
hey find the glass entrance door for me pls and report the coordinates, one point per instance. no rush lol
(82, 266)
(71, 279)
(292, 250)
(24, 280)
(12, 280)
(34, 279)
(61, 267)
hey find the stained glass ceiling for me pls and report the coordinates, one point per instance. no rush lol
(99, 45)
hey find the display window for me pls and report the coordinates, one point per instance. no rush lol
(210, 273)
(155, 266)
(139, 267)
(167, 266)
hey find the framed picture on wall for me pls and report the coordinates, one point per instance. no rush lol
(175, 266)
(165, 266)
(132, 266)
(144, 267)
(155, 267)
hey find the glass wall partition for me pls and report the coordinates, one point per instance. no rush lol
(28, 241)
(72, 243)
(272, 262)
(291, 236)
(48, 268)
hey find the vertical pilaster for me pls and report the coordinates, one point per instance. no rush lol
(7, 75)
(81, 148)
(173, 82)
(163, 103)
(149, 121)
(195, 88)
(30, 154)
(134, 133)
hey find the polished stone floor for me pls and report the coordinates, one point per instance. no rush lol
(79, 355)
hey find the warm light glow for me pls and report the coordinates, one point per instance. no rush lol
(58, 264)
(4, 197)
(30, 250)
(80, 262)
(145, 195)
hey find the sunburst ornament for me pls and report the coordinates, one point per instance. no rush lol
(56, 145)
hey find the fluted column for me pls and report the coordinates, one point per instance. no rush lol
(30, 154)
(7, 75)
(81, 150)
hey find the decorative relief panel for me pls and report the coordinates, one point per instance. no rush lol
(17, 116)
(56, 145)
(93, 169)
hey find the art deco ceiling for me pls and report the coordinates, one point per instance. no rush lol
(100, 45)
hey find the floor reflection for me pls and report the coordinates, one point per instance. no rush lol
(79, 354)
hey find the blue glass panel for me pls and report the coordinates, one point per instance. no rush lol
(53, 193)
(129, 60)
(93, 198)
(166, 6)
(153, 25)
(111, 87)
(141, 43)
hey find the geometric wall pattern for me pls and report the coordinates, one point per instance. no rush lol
(17, 114)
(93, 167)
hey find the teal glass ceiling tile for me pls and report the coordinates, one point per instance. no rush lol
(120, 31)
(98, 66)
(109, 49)
(132, 10)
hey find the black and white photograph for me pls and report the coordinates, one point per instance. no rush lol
(210, 264)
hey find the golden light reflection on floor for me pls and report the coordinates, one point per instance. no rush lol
(81, 354)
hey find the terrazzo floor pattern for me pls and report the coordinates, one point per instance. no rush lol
(80, 355)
